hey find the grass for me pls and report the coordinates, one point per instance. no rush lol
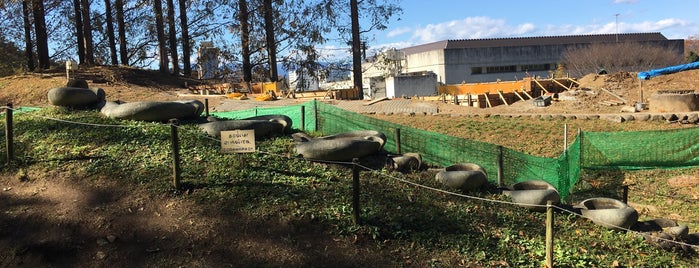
(407, 225)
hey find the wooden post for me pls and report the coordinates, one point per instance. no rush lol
(500, 168)
(549, 234)
(9, 136)
(255, 110)
(303, 118)
(175, 153)
(625, 194)
(398, 147)
(206, 104)
(487, 100)
(355, 191)
(502, 97)
(469, 99)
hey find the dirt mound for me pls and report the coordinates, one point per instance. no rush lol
(120, 83)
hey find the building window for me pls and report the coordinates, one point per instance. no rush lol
(501, 69)
(476, 70)
(536, 67)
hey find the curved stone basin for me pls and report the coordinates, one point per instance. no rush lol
(609, 212)
(263, 128)
(284, 120)
(404, 163)
(153, 110)
(343, 146)
(76, 97)
(533, 194)
(463, 176)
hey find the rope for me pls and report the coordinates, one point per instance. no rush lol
(381, 174)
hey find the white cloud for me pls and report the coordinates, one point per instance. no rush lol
(625, 1)
(485, 27)
(397, 32)
(470, 28)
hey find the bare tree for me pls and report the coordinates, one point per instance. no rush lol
(121, 27)
(28, 47)
(270, 40)
(87, 33)
(160, 29)
(79, 31)
(243, 19)
(186, 49)
(110, 32)
(42, 47)
(616, 57)
(172, 36)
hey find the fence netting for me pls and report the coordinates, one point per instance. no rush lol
(590, 150)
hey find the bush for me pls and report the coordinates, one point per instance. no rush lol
(618, 57)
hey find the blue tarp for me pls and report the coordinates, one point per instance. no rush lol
(668, 70)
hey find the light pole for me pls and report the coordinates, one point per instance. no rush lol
(616, 24)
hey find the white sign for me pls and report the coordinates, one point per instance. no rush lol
(238, 141)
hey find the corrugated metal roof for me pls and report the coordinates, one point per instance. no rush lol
(536, 41)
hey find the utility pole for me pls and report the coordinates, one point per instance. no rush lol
(616, 24)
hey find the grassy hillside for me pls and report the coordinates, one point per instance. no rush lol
(99, 194)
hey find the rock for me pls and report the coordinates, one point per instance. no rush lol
(608, 212)
(678, 232)
(111, 238)
(156, 111)
(102, 242)
(101, 255)
(342, 147)
(533, 194)
(670, 117)
(407, 162)
(628, 109)
(642, 117)
(655, 225)
(263, 128)
(463, 176)
(79, 83)
(693, 118)
(75, 97)
(284, 120)
(613, 118)
(627, 117)
(657, 117)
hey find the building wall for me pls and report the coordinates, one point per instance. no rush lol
(430, 61)
(411, 85)
(505, 63)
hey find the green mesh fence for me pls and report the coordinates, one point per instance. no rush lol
(640, 149)
(592, 150)
(292, 111)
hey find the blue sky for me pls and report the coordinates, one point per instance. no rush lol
(425, 21)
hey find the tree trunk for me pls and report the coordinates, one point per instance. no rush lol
(271, 42)
(186, 49)
(173, 36)
(245, 41)
(110, 32)
(42, 47)
(79, 31)
(356, 47)
(87, 33)
(160, 28)
(121, 26)
(28, 48)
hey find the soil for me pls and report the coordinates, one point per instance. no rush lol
(58, 218)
